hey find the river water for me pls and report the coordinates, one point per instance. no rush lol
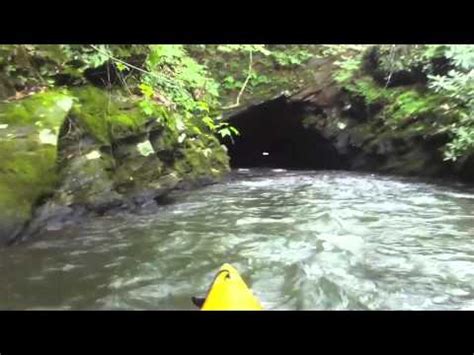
(302, 240)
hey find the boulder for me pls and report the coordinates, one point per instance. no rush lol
(29, 130)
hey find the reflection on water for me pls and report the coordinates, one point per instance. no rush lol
(303, 240)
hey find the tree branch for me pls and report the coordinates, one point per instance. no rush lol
(121, 61)
(242, 89)
(247, 79)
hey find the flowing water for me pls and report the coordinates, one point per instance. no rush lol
(302, 240)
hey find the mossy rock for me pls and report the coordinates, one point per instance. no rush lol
(111, 153)
(87, 180)
(138, 172)
(28, 138)
(45, 110)
(202, 160)
(108, 116)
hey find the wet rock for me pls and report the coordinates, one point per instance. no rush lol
(28, 138)
(464, 167)
(110, 156)
(341, 133)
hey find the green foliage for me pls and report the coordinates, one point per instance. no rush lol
(165, 76)
(401, 57)
(248, 78)
(458, 86)
(90, 57)
(266, 78)
(463, 138)
(41, 65)
(399, 104)
(367, 88)
(214, 125)
(338, 50)
(230, 83)
(446, 102)
(411, 104)
(409, 57)
(347, 69)
(348, 61)
(256, 48)
(184, 86)
(462, 56)
(291, 57)
(259, 78)
(178, 75)
(226, 130)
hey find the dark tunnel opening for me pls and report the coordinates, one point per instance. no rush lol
(272, 135)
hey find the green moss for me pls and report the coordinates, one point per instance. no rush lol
(28, 165)
(27, 172)
(46, 110)
(90, 177)
(166, 142)
(203, 158)
(124, 124)
(28, 154)
(107, 116)
(176, 154)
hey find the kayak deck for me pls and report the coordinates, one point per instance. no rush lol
(228, 291)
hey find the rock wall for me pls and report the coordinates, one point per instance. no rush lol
(28, 136)
(87, 151)
(346, 131)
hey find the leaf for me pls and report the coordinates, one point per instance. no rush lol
(234, 130)
(206, 152)
(209, 122)
(197, 130)
(204, 106)
(146, 107)
(229, 79)
(163, 53)
(224, 132)
(146, 90)
(120, 66)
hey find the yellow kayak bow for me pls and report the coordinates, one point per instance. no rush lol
(229, 292)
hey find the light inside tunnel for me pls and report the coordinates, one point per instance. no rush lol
(272, 135)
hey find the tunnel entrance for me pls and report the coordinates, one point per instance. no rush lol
(272, 135)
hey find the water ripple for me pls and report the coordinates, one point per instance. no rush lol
(303, 240)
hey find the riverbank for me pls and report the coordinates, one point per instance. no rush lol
(89, 130)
